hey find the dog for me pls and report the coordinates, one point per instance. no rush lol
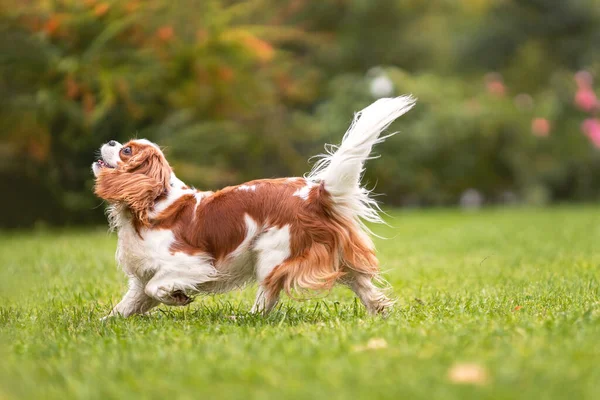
(288, 234)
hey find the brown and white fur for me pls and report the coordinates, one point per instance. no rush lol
(287, 234)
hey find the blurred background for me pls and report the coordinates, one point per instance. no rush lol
(508, 109)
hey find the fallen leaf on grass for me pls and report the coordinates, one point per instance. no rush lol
(473, 374)
(372, 344)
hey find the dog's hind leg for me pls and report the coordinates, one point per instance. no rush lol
(265, 301)
(369, 294)
(272, 249)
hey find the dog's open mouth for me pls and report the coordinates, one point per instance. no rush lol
(102, 164)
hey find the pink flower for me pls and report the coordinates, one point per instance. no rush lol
(591, 127)
(586, 99)
(496, 88)
(540, 127)
(494, 84)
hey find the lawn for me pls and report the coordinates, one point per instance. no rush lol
(501, 304)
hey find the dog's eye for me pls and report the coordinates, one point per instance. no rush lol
(126, 150)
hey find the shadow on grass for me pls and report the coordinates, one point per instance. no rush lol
(55, 315)
(285, 314)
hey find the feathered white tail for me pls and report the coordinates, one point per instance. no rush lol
(342, 167)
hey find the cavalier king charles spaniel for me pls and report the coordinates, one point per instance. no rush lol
(289, 234)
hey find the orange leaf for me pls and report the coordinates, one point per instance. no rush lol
(52, 25)
(165, 33)
(201, 35)
(472, 374)
(101, 9)
(132, 6)
(225, 73)
(37, 149)
(72, 87)
(263, 50)
(89, 103)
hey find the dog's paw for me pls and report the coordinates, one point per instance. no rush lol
(166, 294)
(180, 298)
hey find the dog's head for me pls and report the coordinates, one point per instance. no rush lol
(135, 174)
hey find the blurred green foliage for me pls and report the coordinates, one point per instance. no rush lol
(236, 90)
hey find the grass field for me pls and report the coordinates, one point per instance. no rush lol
(501, 304)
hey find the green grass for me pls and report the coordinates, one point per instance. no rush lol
(458, 278)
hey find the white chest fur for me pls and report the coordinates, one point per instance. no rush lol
(149, 254)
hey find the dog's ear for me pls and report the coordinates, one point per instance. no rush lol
(137, 190)
(150, 162)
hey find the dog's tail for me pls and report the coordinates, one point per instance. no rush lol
(342, 167)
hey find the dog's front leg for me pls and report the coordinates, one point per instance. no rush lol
(135, 301)
(173, 289)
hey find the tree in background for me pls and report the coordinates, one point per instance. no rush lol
(199, 77)
(237, 90)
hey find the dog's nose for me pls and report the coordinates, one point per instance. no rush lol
(112, 143)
